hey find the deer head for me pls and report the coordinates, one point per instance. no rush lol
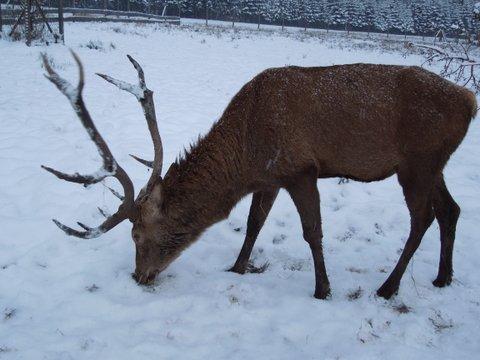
(154, 244)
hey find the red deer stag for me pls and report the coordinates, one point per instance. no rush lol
(286, 128)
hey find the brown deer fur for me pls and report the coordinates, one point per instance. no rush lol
(288, 127)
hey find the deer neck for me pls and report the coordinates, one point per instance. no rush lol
(202, 187)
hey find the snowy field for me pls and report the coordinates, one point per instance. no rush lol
(66, 298)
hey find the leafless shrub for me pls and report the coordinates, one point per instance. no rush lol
(39, 34)
(458, 63)
(355, 294)
(439, 323)
(402, 308)
(94, 45)
(356, 270)
(92, 288)
(9, 313)
(251, 268)
(119, 30)
(98, 45)
(278, 239)
(54, 64)
(5, 349)
(16, 35)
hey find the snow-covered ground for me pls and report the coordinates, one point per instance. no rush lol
(65, 298)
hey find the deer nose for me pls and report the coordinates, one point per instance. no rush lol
(135, 276)
(144, 278)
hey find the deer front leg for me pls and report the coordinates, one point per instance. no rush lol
(262, 202)
(447, 212)
(417, 188)
(304, 193)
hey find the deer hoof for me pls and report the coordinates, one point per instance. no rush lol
(442, 282)
(249, 268)
(387, 291)
(323, 295)
(237, 269)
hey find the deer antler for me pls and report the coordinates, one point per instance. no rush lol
(147, 163)
(145, 97)
(110, 166)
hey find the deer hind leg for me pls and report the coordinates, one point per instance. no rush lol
(417, 188)
(447, 212)
(262, 202)
(305, 195)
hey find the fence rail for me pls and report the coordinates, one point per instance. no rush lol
(46, 10)
(101, 15)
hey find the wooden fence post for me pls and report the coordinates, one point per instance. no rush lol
(206, 12)
(61, 28)
(29, 22)
(1, 17)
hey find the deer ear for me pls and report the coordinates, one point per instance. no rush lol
(156, 195)
(152, 202)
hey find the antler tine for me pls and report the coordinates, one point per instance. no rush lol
(116, 193)
(141, 75)
(145, 97)
(89, 232)
(147, 163)
(110, 166)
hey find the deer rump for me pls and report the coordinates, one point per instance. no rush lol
(285, 129)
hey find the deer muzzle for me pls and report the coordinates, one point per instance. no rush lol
(145, 278)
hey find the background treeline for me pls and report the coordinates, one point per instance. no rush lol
(421, 17)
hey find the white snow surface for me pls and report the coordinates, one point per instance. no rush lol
(67, 298)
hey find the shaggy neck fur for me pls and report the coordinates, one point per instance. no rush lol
(202, 188)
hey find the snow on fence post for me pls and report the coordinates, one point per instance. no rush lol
(60, 21)
(206, 12)
(29, 22)
(0, 18)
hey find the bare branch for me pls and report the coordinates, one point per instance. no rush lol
(455, 63)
